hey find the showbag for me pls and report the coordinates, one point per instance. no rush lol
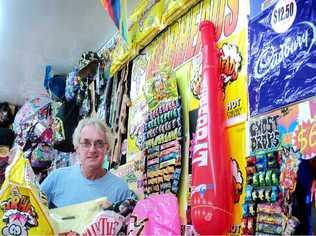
(155, 215)
(23, 209)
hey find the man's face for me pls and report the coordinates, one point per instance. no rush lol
(92, 148)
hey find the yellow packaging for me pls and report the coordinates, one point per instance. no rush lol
(172, 10)
(23, 211)
(162, 86)
(232, 34)
(132, 173)
(115, 67)
(138, 109)
(237, 152)
(73, 219)
(117, 55)
(184, 195)
(149, 21)
(125, 51)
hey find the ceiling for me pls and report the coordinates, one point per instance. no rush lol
(35, 33)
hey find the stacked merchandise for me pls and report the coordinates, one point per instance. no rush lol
(262, 192)
(163, 131)
(162, 134)
(271, 180)
(273, 164)
(278, 174)
(178, 52)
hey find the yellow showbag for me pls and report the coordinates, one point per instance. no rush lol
(172, 10)
(125, 51)
(116, 58)
(149, 21)
(75, 218)
(23, 209)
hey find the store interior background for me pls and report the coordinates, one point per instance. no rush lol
(36, 33)
(56, 32)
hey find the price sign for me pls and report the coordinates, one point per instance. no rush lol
(304, 139)
(283, 15)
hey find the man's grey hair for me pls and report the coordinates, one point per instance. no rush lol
(98, 124)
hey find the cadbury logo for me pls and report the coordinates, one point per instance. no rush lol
(296, 44)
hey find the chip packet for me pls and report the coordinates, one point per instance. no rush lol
(23, 208)
(148, 15)
(172, 10)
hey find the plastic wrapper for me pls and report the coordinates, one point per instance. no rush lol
(105, 223)
(161, 87)
(281, 56)
(291, 225)
(289, 168)
(275, 219)
(272, 208)
(125, 51)
(268, 229)
(23, 208)
(155, 215)
(32, 122)
(172, 10)
(73, 219)
(118, 55)
(149, 21)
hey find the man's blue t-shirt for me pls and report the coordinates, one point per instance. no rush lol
(67, 186)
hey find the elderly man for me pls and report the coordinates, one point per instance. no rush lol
(87, 180)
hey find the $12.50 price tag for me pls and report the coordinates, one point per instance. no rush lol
(283, 15)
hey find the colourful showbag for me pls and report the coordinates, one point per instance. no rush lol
(211, 194)
(71, 219)
(105, 223)
(149, 21)
(22, 208)
(155, 215)
(172, 10)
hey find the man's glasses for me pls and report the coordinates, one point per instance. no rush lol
(86, 144)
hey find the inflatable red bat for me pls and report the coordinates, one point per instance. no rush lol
(211, 196)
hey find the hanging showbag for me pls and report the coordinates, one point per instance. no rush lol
(23, 208)
(32, 122)
(55, 84)
(65, 121)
